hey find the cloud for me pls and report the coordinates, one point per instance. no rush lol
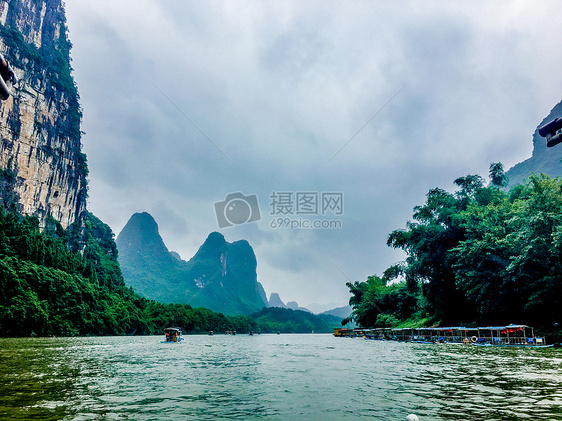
(280, 88)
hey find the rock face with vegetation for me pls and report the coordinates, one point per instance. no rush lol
(221, 276)
(40, 149)
(544, 160)
(59, 273)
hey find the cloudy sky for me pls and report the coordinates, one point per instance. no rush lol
(367, 103)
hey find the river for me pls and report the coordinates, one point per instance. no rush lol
(273, 377)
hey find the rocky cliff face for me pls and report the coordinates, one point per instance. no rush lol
(543, 160)
(40, 122)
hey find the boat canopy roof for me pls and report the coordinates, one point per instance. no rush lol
(173, 329)
(437, 329)
(509, 328)
(512, 326)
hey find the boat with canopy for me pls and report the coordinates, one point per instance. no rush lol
(173, 335)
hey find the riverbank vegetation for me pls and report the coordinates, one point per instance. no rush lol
(479, 256)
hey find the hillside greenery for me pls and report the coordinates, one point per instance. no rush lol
(277, 319)
(221, 276)
(479, 256)
(66, 283)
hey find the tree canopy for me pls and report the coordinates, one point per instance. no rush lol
(480, 255)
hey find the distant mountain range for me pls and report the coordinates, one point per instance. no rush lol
(341, 312)
(275, 301)
(221, 276)
(543, 160)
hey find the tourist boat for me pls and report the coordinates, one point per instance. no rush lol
(510, 335)
(341, 332)
(173, 335)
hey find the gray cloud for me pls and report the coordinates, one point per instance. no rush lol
(279, 88)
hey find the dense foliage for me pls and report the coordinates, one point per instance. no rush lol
(479, 256)
(58, 282)
(276, 319)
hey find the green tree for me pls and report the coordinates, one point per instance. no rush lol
(437, 228)
(498, 177)
(380, 303)
(484, 255)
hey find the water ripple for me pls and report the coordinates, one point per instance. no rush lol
(273, 377)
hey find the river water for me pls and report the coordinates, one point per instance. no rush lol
(274, 377)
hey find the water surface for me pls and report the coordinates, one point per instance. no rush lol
(274, 377)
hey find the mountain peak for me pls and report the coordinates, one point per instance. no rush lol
(141, 231)
(275, 301)
(215, 238)
(221, 276)
(144, 221)
(213, 248)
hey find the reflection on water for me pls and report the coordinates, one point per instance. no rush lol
(277, 377)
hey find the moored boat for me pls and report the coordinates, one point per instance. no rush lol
(342, 332)
(510, 335)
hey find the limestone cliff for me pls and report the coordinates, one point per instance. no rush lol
(275, 301)
(543, 159)
(221, 276)
(40, 122)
